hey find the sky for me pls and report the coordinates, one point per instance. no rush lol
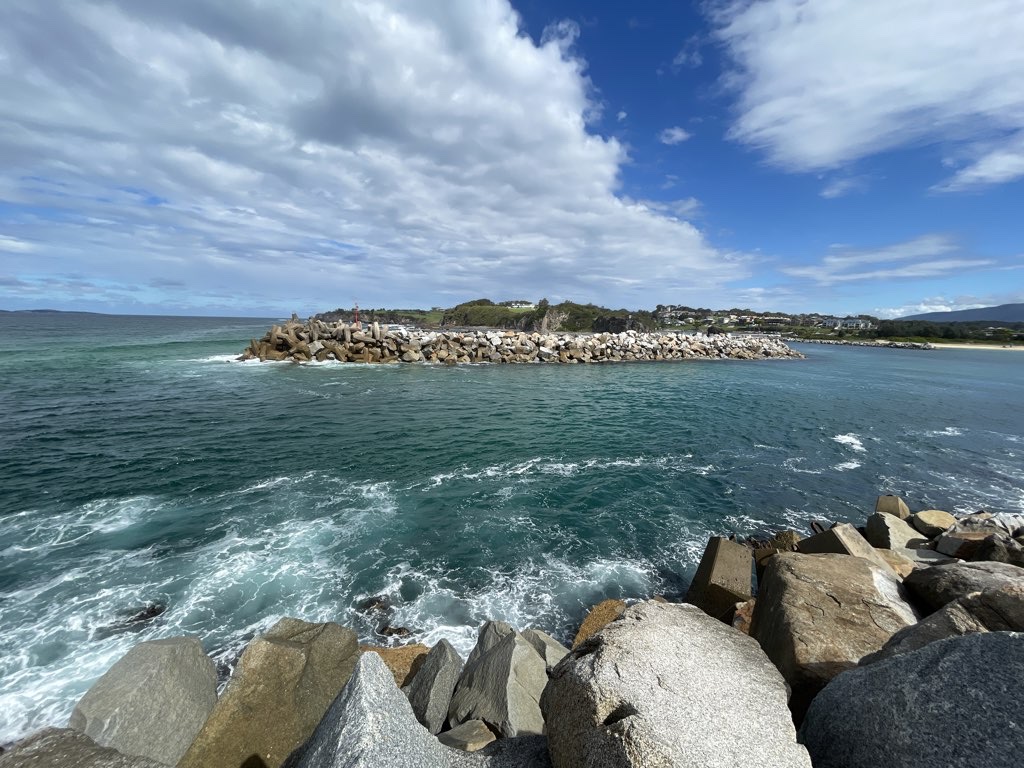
(254, 158)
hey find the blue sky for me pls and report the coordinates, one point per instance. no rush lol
(250, 158)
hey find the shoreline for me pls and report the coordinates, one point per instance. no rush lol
(999, 347)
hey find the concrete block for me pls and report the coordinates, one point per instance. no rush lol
(843, 540)
(724, 578)
(892, 505)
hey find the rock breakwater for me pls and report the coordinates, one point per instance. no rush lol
(315, 340)
(882, 343)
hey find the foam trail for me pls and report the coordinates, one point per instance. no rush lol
(852, 441)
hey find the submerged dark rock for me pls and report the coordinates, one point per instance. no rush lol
(135, 619)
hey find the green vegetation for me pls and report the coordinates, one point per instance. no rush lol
(567, 316)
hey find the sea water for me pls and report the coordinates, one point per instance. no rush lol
(142, 466)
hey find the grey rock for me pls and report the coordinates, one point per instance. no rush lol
(68, 748)
(285, 681)
(667, 685)
(818, 615)
(890, 532)
(1004, 522)
(1000, 609)
(549, 649)
(842, 539)
(954, 702)
(471, 736)
(489, 635)
(152, 702)
(922, 558)
(932, 522)
(502, 687)
(371, 725)
(962, 544)
(430, 691)
(1000, 549)
(941, 584)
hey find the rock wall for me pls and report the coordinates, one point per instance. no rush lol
(316, 340)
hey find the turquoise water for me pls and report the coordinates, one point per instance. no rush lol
(140, 465)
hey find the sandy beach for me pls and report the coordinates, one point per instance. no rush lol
(1018, 348)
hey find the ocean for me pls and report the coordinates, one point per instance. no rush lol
(141, 466)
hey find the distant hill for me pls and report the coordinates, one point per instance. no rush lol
(1004, 313)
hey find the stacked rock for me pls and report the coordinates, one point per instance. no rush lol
(316, 340)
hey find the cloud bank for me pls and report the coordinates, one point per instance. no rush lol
(244, 154)
(822, 84)
(922, 257)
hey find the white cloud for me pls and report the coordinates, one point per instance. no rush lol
(688, 56)
(296, 155)
(931, 256)
(621, 116)
(842, 186)
(674, 135)
(684, 208)
(14, 245)
(824, 84)
(1000, 164)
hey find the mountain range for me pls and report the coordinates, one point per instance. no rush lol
(1004, 313)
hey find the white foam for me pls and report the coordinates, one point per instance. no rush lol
(846, 465)
(543, 594)
(792, 462)
(851, 440)
(947, 432)
(544, 465)
(257, 565)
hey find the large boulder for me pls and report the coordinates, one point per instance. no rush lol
(954, 702)
(68, 748)
(934, 587)
(549, 649)
(502, 687)
(890, 532)
(667, 685)
(600, 616)
(842, 539)
(489, 635)
(430, 691)
(1000, 549)
(818, 615)
(371, 725)
(967, 537)
(932, 522)
(284, 683)
(1000, 609)
(962, 544)
(152, 702)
